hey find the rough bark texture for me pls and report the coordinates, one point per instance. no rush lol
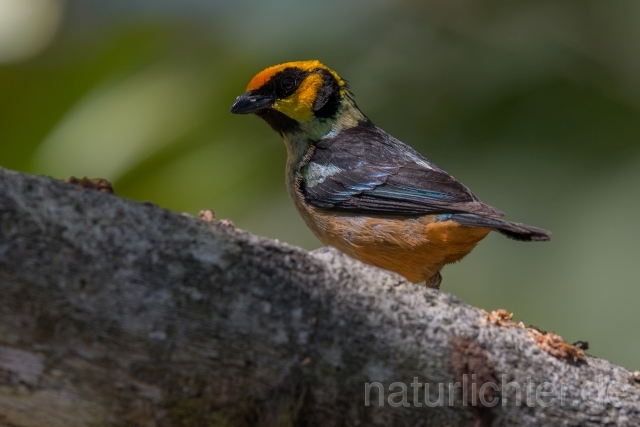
(119, 313)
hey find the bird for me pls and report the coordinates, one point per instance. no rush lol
(361, 190)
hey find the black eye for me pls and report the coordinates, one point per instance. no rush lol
(288, 83)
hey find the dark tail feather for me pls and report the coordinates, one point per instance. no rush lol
(512, 230)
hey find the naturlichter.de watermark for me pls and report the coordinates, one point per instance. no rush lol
(490, 394)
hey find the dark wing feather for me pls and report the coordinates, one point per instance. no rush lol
(374, 173)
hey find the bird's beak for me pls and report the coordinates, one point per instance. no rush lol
(248, 103)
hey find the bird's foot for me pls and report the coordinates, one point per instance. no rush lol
(435, 280)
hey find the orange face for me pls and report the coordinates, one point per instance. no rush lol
(299, 105)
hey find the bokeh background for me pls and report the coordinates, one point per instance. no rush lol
(533, 104)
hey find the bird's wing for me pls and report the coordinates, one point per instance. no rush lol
(365, 170)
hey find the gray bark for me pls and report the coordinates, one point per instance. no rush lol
(119, 313)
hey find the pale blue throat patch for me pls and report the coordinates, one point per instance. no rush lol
(316, 174)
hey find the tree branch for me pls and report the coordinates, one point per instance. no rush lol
(121, 313)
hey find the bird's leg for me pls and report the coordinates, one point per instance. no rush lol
(434, 281)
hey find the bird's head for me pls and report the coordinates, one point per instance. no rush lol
(298, 97)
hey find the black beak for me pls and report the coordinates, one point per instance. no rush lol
(247, 103)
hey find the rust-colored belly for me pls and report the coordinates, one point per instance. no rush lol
(417, 247)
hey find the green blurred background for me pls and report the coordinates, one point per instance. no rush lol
(533, 104)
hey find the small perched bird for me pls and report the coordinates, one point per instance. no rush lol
(361, 190)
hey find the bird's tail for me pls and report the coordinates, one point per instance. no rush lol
(512, 230)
